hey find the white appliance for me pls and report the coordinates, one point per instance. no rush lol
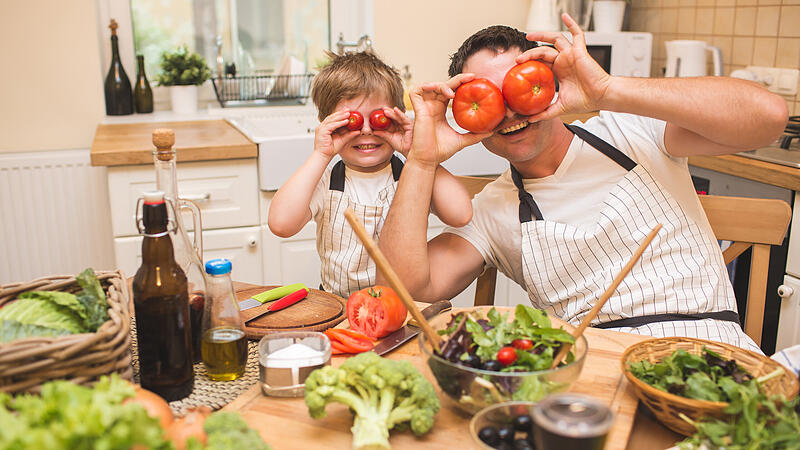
(688, 59)
(623, 53)
(789, 291)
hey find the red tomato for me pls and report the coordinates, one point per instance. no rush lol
(349, 341)
(356, 121)
(522, 344)
(507, 355)
(528, 88)
(478, 106)
(378, 120)
(375, 311)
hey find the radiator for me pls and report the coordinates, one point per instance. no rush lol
(54, 215)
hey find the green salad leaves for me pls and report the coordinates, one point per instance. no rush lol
(54, 313)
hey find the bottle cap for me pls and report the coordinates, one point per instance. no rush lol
(153, 197)
(219, 266)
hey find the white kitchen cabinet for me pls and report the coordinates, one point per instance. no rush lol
(241, 245)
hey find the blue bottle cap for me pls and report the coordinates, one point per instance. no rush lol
(219, 266)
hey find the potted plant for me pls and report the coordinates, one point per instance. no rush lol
(607, 15)
(183, 70)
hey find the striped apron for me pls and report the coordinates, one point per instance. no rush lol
(346, 267)
(679, 287)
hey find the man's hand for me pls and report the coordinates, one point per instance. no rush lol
(330, 137)
(582, 82)
(399, 133)
(434, 140)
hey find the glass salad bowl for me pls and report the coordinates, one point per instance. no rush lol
(471, 389)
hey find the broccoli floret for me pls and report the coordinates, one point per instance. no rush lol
(228, 431)
(382, 393)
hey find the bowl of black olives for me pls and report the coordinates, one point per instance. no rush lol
(505, 426)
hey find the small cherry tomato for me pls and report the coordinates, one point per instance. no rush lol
(356, 121)
(522, 344)
(378, 120)
(507, 356)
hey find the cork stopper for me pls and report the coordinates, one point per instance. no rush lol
(164, 139)
(113, 26)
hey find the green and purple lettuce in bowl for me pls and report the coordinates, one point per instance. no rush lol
(491, 355)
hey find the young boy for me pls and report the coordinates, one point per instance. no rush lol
(365, 178)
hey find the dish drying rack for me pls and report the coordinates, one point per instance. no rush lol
(262, 88)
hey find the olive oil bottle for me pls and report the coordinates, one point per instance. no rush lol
(224, 345)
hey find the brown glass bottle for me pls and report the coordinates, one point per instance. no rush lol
(118, 91)
(161, 304)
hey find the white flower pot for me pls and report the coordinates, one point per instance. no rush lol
(184, 99)
(607, 15)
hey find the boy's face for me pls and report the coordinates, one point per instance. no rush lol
(366, 152)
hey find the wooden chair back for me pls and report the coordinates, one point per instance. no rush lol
(746, 222)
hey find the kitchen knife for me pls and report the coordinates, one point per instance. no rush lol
(284, 302)
(408, 331)
(272, 294)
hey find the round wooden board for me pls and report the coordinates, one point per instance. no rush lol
(317, 312)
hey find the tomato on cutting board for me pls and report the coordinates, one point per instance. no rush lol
(528, 88)
(348, 341)
(375, 311)
(478, 106)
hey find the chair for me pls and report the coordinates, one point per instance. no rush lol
(746, 222)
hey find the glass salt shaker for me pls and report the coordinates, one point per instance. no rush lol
(224, 344)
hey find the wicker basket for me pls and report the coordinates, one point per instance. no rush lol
(82, 358)
(666, 406)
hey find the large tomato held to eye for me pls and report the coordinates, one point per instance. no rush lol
(478, 106)
(375, 311)
(378, 120)
(528, 88)
(355, 122)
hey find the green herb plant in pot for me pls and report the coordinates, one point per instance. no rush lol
(183, 71)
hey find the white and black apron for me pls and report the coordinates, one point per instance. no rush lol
(679, 287)
(346, 265)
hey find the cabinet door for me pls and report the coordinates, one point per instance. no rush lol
(789, 321)
(241, 245)
(292, 260)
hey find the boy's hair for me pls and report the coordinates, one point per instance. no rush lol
(496, 37)
(352, 75)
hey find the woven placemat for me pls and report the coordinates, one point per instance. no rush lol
(214, 394)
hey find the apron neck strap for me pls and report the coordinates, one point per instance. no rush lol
(603, 147)
(337, 173)
(528, 208)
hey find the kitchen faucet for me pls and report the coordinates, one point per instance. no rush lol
(364, 44)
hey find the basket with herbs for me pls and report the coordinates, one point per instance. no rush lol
(715, 393)
(64, 327)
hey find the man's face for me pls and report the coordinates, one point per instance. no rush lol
(514, 138)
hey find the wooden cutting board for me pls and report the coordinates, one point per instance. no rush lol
(317, 312)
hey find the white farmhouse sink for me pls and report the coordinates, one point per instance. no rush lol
(286, 139)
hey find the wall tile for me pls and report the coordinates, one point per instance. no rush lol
(726, 2)
(788, 53)
(790, 2)
(704, 21)
(789, 20)
(705, 2)
(742, 50)
(723, 20)
(653, 21)
(687, 2)
(725, 44)
(769, 2)
(686, 19)
(669, 20)
(745, 24)
(669, 3)
(746, 2)
(767, 20)
(764, 51)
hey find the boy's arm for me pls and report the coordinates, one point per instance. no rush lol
(450, 200)
(289, 210)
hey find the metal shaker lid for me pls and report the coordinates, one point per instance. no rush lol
(573, 415)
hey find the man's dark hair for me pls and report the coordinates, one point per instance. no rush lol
(496, 38)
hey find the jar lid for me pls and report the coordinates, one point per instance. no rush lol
(573, 415)
(219, 266)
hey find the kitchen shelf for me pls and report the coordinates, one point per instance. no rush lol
(263, 89)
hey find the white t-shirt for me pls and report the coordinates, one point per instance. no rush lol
(360, 187)
(574, 194)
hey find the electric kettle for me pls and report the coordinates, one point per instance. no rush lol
(688, 59)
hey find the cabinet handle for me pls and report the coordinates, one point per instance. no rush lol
(784, 291)
(252, 241)
(197, 197)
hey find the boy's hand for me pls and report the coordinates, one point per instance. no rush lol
(330, 136)
(399, 133)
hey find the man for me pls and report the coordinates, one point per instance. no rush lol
(578, 200)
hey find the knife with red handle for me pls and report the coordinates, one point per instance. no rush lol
(284, 302)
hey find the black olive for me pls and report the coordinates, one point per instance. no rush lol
(493, 365)
(522, 444)
(472, 360)
(489, 435)
(506, 433)
(505, 446)
(523, 423)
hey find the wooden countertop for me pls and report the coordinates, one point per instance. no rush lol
(752, 169)
(198, 140)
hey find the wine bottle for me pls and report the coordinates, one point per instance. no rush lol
(161, 305)
(119, 95)
(142, 93)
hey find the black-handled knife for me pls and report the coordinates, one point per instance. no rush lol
(408, 331)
